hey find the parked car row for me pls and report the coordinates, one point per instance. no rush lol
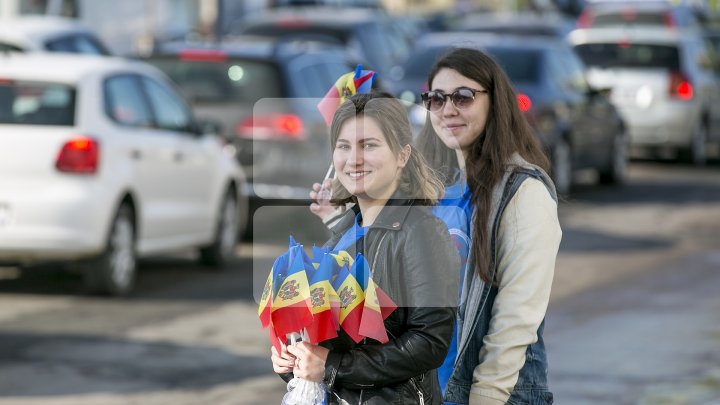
(578, 126)
(116, 159)
(108, 164)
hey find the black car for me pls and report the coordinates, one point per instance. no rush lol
(370, 35)
(576, 123)
(264, 93)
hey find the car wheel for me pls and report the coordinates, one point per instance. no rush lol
(616, 172)
(562, 166)
(697, 152)
(222, 249)
(113, 272)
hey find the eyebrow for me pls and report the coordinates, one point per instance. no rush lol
(364, 140)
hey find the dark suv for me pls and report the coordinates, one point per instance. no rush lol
(264, 93)
(370, 36)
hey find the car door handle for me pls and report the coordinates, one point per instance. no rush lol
(135, 154)
(178, 157)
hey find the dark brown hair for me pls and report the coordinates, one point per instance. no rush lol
(417, 180)
(506, 132)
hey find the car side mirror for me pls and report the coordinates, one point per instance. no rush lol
(604, 92)
(207, 126)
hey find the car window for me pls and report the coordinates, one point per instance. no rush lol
(232, 81)
(629, 55)
(170, 111)
(419, 63)
(76, 44)
(575, 69)
(521, 65)
(31, 103)
(5, 47)
(124, 101)
(317, 77)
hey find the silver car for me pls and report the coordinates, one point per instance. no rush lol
(662, 82)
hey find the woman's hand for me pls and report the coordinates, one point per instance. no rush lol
(320, 195)
(284, 362)
(310, 361)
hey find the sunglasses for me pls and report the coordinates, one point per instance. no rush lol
(460, 98)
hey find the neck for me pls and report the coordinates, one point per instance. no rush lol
(369, 210)
(461, 159)
(370, 207)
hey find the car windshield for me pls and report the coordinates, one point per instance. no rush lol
(233, 80)
(31, 103)
(300, 30)
(628, 55)
(520, 65)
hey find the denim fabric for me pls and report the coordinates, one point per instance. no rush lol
(475, 313)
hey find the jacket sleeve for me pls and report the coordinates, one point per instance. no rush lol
(425, 259)
(528, 242)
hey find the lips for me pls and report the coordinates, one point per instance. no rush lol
(454, 127)
(357, 175)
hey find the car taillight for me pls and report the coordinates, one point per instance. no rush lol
(586, 19)
(680, 86)
(202, 55)
(524, 102)
(79, 155)
(669, 20)
(272, 126)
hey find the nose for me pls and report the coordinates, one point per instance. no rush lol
(355, 157)
(448, 108)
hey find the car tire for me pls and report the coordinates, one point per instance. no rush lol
(562, 166)
(222, 249)
(696, 153)
(113, 272)
(616, 171)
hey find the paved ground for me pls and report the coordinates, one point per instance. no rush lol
(633, 317)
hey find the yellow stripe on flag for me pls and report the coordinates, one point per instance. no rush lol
(320, 295)
(266, 294)
(293, 290)
(351, 295)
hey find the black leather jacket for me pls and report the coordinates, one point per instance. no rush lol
(413, 261)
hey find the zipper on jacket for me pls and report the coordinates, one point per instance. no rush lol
(419, 391)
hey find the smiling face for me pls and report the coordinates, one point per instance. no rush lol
(459, 128)
(364, 162)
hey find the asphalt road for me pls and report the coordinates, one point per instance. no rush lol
(634, 317)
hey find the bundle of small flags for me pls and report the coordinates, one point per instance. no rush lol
(319, 296)
(358, 82)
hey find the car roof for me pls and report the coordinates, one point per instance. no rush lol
(65, 68)
(651, 35)
(253, 47)
(39, 28)
(338, 18)
(551, 20)
(487, 40)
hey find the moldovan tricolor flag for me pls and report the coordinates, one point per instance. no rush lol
(351, 297)
(291, 310)
(359, 81)
(323, 325)
(371, 323)
(276, 274)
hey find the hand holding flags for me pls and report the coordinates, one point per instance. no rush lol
(321, 295)
(359, 81)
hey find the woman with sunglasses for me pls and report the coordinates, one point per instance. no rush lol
(408, 250)
(475, 135)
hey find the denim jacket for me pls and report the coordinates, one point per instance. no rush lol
(475, 312)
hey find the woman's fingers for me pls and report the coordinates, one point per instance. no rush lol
(282, 362)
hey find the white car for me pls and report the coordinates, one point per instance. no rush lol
(101, 162)
(49, 34)
(662, 82)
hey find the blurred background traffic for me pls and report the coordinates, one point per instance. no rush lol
(151, 135)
